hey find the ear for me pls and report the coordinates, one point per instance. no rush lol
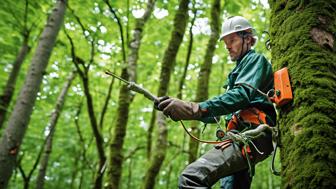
(248, 40)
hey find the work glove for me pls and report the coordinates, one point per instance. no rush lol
(158, 101)
(178, 109)
(226, 143)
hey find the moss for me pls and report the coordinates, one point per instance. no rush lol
(308, 124)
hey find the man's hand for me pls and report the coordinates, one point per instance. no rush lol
(224, 144)
(157, 102)
(177, 109)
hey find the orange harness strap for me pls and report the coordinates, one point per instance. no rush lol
(250, 115)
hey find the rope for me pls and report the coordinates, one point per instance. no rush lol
(244, 138)
(200, 140)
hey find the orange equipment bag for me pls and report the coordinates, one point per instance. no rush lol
(282, 88)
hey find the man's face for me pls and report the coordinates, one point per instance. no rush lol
(233, 43)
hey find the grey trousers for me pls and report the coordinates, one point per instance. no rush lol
(239, 180)
(216, 164)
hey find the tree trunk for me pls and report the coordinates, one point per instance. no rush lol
(168, 62)
(107, 100)
(190, 45)
(150, 134)
(51, 127)
(83, 73)
(97, 135)
(18, 121)
(125, 99)
(7, 95)
(302, 39)
(203, 81)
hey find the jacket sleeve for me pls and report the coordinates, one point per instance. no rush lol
(254, 72)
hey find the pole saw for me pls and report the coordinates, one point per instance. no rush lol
(137, 88)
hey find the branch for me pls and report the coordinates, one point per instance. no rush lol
(91, 40)
(22, 172)
(108, 97)
(25, 17)
(120, 29)
(92, 54)
(75, 60)
(81, 138)
(79, 22)
(181, 83)
(132, 152)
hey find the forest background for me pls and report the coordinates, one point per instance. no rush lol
(79, 135)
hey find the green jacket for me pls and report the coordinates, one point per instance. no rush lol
(252, 69)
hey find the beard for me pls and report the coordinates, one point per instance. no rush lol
(233, 58)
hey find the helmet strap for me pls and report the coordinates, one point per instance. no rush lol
(243, 35)
(242, 49)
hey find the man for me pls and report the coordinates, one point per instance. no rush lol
(242, 100)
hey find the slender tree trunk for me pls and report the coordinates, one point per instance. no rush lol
(84, 162)
(125, 99)
(19, 119)
(129, 177)
(170, 169)
(190, 45)
(203, 81)
(83, 71)
(51, 127)
(75, 170)
(97, 135)
(7, 95)
(150, 134)
(8, 91)
(303, 39)
(168, 62)
(107, 100)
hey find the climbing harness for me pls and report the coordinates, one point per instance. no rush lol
(280, 95)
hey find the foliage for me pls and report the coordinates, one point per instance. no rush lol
(73, 160)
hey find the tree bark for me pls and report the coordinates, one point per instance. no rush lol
(18, 121)
(190, 45)
(97, 135)
(302, 39)
(51, 127)
(125, 99)
(150, 134)
(168, 63)
(107, 100)
(7, 95)
(203, 81)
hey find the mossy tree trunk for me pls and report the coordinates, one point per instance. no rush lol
(302, 39)
(125, 99)
(203, 81)
(168, 62)
(19, 119)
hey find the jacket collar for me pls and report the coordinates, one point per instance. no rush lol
(243, 57)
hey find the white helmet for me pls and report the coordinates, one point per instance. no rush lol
(235, 24)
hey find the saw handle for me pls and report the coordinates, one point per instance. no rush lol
(137, 88)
